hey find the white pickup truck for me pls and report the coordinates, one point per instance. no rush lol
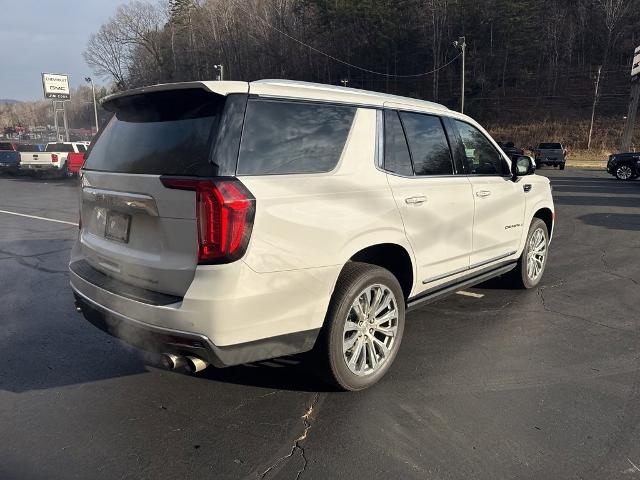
(54, 158)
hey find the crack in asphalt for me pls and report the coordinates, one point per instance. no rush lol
(22, 260)
(297, 444)
(547, 308)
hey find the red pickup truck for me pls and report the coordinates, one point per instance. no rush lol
(75, 162)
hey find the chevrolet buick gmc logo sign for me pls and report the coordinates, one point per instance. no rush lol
(56, 86)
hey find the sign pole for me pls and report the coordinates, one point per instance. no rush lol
(55, 119)
(64, 119)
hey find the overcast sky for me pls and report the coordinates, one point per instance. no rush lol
(46, 36)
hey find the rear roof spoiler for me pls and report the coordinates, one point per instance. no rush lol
(217, 87)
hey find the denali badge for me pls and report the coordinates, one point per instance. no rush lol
(513, 226)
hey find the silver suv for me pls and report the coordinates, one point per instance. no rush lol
(230, 222)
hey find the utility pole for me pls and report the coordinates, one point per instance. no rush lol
(95, 106)
(220, 69)
(627, 136)
(462, 45)
(593, 110)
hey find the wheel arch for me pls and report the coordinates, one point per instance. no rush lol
(546, 215)
(393, 257)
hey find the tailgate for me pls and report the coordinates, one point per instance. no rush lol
(137, 231)
(134, 229)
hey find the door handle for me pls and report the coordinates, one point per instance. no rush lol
(483, 193)
(419, 200)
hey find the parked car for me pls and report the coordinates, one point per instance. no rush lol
(53, 159)
(230, 222)
(552, 154)
(9, 161)
(624, 166)
(510, 149)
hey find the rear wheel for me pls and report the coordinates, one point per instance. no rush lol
(363, 328)
(624, 172)
(533, 260)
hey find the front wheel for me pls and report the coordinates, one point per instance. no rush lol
(363, 327)
(624, 172)
(532, 262)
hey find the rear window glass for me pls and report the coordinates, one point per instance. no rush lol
(81, 148)
(550, 146)
(27, 148)
(428, 144)
(290, 137)
(59, 147)
(160, 133)
(6, 146)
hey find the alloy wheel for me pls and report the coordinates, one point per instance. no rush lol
(370, 330)
(623, 172)
(536, 254)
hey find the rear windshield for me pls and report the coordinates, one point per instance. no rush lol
(59, 147)
(28, 148)
(550, 146)
(81, 147)
(160, 133)
(6, 146)
(281, 137)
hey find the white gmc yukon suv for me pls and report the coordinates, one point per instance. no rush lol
(229, 222)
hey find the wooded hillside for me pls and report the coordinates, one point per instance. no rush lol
(527, 61)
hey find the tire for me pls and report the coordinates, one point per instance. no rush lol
(520, 275)
(342, 327)
(562, 166)
(624, 172)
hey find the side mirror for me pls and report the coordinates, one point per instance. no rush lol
(522, 165)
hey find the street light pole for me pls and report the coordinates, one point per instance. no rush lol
(462, 45)
(95, 105)
(593, 110)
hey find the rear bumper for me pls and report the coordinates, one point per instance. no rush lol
(39, 166)
(152, 338)
(550, 161)
(233, 313)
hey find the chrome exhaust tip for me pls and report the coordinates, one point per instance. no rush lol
(173, 362)
(195, 364)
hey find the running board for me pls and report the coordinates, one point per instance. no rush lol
(451, 287)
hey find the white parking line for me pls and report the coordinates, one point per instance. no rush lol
(470, 294)
(38, 218)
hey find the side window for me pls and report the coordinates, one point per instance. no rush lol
(282, 137)
(428, 144)
(482, 157)
(396, 151)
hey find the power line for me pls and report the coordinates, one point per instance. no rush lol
(390, 75)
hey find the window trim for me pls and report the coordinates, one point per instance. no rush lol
(500, 153)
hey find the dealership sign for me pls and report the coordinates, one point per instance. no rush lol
(56, 86)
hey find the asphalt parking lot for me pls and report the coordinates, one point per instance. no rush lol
(501, 384)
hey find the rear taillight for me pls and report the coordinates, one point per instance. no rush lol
(224, 213)
(54, 158)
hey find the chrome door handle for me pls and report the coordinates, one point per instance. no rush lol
(483, 193)
(419, 200)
